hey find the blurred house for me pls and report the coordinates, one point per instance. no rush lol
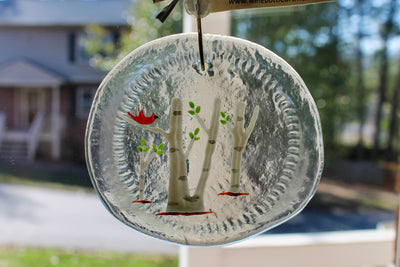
(46, 82)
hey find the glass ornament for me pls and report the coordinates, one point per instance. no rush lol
(203, 157)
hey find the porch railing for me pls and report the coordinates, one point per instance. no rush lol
(33, 135)
(366, 248)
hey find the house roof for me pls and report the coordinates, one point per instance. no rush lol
(27, 74)
(63, 12)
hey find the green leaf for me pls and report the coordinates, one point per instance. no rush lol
(161, 146)
(191, 104)
(160, 152)
(228, 118)
(191, 112)
(198, 109)
(196, 132)
(197, 138)
(140, 149)
(191, 135)
(154, 148)
(146, 149)
(223, 122)
(223, 114)
(143, 142)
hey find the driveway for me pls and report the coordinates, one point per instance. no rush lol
(31, 216)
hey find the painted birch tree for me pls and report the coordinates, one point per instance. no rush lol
(144, 163)
(240, 136)
(180, 201)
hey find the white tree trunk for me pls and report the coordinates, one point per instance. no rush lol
(240, 137)
(178, 183)
(212, 139)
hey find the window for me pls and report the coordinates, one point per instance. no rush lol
(96, 41)
(81, 46)
(84, 98)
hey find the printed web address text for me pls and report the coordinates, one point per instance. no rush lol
(288, 2)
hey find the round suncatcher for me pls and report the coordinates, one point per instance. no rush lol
(203, 157)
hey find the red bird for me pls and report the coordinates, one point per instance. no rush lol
(143, 119)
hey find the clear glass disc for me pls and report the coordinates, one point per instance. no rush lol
(203, 157)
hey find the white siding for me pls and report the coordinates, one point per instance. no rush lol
(47, 46)
(72, 13)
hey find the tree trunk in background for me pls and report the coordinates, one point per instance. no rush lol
(393, 124)
(383, 77)
(381, 99)
(360, 80)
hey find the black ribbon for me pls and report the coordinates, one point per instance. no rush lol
(163, 15)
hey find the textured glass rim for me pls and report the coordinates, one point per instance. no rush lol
(148, 45)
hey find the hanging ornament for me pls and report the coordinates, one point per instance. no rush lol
(203, 152)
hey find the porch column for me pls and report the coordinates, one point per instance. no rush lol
(55, 123)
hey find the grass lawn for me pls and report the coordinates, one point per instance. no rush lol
(11, 178)
(44, 174)
(35, 257)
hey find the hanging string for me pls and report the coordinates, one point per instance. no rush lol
(163, 15)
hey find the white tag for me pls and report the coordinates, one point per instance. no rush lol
(225, 5)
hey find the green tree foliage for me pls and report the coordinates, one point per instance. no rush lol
(307, 38)
(332, 47)
(143, 27)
